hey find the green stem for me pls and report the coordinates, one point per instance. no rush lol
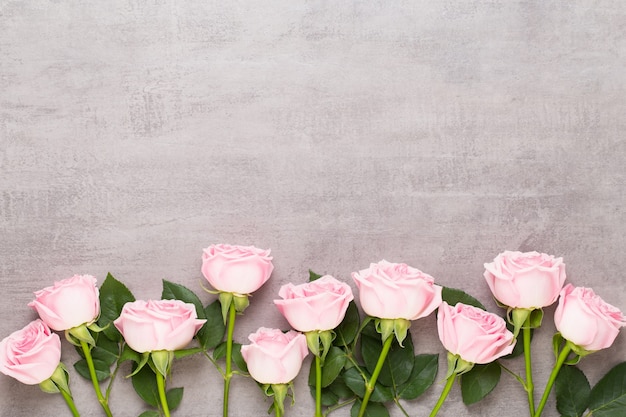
(530, 389)
(94, 379)
(111, 379)
(555, 371)
(278, 411)
(229, 356)
(513, 374)
(369, 387)
(70, 402)
(318, 386)
(338, 406)
(444, 395)
(397, 401)
(161, 387)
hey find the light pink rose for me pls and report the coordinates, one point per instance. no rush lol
(274, 357)
(396, 291)
(477, 336)
(236, 269)
(316, 305)
(158, 325)
(586, 320)
(525, 279)
(68, 303)
(32, 354)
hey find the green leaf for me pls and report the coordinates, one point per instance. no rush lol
(103, 371)
(372, 410)
(340, 389)
(108, 345)
(181, 353)
(151, 413)
(145, 385)
(328, 396)
(424, 372)
(572, 391)
(212, 333)
(172, 291)
(349, 326)
(479, 381)
(398, 364)
(113, 296)
(608, 396)
(313, 276)
(238, 358)
(220, 352)
(335, 360)
(130, 355)
(355, 382)
(452, 296)
(174, 397)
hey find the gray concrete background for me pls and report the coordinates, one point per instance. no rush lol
(134, 133)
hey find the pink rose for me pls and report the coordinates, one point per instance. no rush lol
(274, 357)
(477, 336)
(586, 320)
(158, 325)
(525, 280)
(30, 355)
(316, 305)
(236, 269)
(68, 303)
(396, 291)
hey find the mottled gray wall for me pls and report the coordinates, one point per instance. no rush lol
(337, 133)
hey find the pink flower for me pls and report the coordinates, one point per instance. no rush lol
(586, 320)
(68, 303)
(527, 280)
(477, 336)
(158, 325)
(396, 291)
(317, 305)
(236, 269)
(274, 357)
(30, 355)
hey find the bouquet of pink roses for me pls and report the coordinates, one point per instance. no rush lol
(365, 362)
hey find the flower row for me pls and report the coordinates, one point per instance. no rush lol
(350, 362)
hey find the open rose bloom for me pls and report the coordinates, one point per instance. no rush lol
(31, 354)
(68, 303)
(158, 325)
(529, 280)
(236, 269)
(477, 336)
(396, 291)
(274, 357)
(317, 305)
(586, 320)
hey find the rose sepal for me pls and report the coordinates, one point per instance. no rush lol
(518, 316)
(226, 298)
(316, 339)
(241, 302)
(457, 365)
(78, 334)
(387, 327)
(162, 361)
(59, 380)
(94, 327)
(144, 358)
(279, 393)
(577, 352)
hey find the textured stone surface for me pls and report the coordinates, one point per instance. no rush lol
(134, 133)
